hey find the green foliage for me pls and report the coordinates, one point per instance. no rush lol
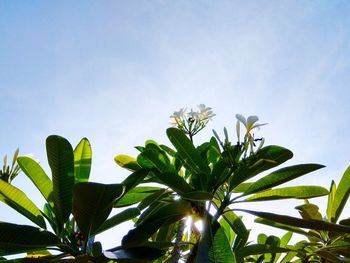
(328, 241)
(17, 239)
(82, 160)
(38, 176)
(92, 203)
(207, 178)
(170, 190)
(75, 209)
(15, 198)
(61, 161)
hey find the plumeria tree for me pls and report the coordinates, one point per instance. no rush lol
(182, 199)
(202, 184)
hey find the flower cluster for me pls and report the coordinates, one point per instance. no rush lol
(192, 122)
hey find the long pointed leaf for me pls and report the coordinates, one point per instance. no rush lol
(298, 192)
(293, 221)
(257, 249)
(136, 195)
(175, 182)
(266, 158)
(236, 224)
(281, 176)
(167, 214)
(20, 238)
(331, 197)
(134, 179)
(38, 176)
(158, 160)
(214, 246)
(92, 204)
(341, 196)
(82, 160)
(127, 162)
(61, 161)
(286, 227)
(16, 199)
(115, 220)
(189, 154)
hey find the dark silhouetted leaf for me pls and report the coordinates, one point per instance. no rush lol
(302, 223)
(92, 204)
(117, 219)
(61, 161)
(166, 214)
(20, 238)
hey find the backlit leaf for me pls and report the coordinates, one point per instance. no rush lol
(82, 160)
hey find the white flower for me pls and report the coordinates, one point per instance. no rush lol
(205, 113)
(194, 121)
(178, 117)
(250, 123)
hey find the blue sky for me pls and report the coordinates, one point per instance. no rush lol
(114, 71)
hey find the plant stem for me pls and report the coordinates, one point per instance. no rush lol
(177, 249)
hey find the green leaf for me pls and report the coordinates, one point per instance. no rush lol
(309, 211)
(157, 159)
(92, 204)
(241, 187)
(219, 174)
(15, 198)
(175, 182)
(61, 161)
(214, 246)
(266, 158)
(117, 219)
(139, 254)
(20, 238)
(236, 224)
(293, 221)
(82, 161)
(136, 195)
(341, 196)
(162, 194)
(197, 196)
(127, 162)
(298, 192)
(257, 249)
(281, 176)
(230, 234)
(331, 197)
(329, 257)
(283, 244)
(134, 179)
(189, 154)
(38, 176)
(165, 215)
(285, 227)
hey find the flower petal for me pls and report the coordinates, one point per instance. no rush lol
(251, 120)
(242, 119)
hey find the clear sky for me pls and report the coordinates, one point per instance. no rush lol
(114, 71)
